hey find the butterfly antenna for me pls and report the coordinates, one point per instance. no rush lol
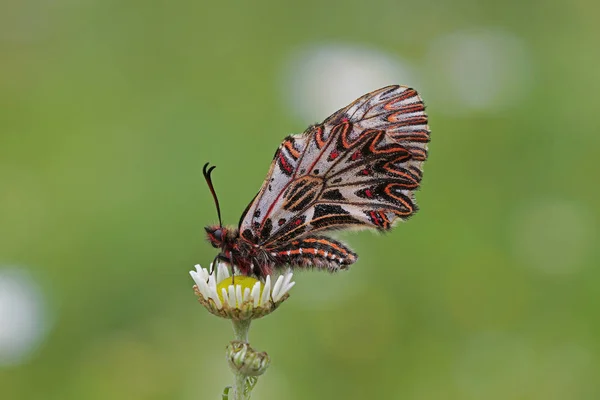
(207, 171)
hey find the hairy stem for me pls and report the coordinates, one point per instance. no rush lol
(238, 388)
(240, 331)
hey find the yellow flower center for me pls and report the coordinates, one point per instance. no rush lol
(238, 280)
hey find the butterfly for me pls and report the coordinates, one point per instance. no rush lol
(357, 169)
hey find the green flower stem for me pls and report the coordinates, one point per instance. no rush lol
(240, 331)
(238, 388)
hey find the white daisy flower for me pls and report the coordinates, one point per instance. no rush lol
(240, 297)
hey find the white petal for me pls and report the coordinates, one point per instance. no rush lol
(215, 297)
(277, 287)
(287, 278)
(246, 294)
(222, 272)
(203, 288)
(195, 277)
(225, 297)
(266, 291)
(256, 294)
(205, 273)
(211, 282)
(201, 272)
(231, 291)
(238, 295)
(288, 287)
(277, 296)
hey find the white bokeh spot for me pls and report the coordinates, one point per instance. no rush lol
(320, 79)
(23, 316)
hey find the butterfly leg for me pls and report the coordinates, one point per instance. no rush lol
(213, 265)
(226, 260)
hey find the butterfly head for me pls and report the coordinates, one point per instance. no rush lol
(216, 235)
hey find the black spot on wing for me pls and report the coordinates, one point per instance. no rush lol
(265, 232)
(322, 210)
(303, 203)
(333, 194)
(334, 221)
(247, 234)
(290, 230)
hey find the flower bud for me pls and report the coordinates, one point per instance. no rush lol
(245, 360)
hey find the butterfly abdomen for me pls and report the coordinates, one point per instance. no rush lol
(315, 251)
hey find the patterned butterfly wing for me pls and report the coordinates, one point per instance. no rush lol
(358, 169)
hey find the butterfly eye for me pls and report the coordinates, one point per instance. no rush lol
(215, 236)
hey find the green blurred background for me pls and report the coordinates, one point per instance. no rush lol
(109, 109)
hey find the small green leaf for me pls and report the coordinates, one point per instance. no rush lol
(250, 383)
(226, 393)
